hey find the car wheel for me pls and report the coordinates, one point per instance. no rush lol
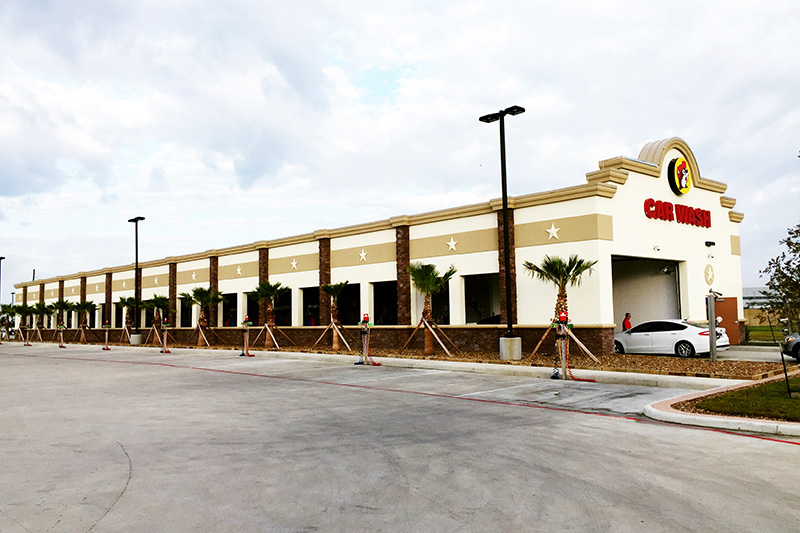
(618, 348)
(684, 349)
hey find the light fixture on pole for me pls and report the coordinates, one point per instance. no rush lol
(136, 290)
(494, 117)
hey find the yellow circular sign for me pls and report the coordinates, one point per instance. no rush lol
(680, 176)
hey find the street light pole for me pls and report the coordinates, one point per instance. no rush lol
(493, 117)
(137, 289)
(1, 279)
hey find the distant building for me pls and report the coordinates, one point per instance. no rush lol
(753, 297)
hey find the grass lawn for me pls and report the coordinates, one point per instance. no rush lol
(764, 401)
(763, 334)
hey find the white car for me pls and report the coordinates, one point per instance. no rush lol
(668, 336)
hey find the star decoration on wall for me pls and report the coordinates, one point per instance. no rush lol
(553, 231)
(73, 290)
(709, 273)
(451, 245)
(51, 294)
(238, 270)
(194, 276)
(362, 256)
(123, 284)
(294, 264)
(97, 288)
(156, 280)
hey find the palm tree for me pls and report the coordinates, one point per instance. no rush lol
(561, 273)
(427, 280)
(83, 309)
(24, 311)
(8, 311)
(204, 298)
(128, 303)
(266, 293)
(334, 291)
(61, 306)
(158, 304)
(40, 310)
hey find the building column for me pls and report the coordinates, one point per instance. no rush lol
(458, 310)
(502, 266)
(137, 293)
(213, 283)
(60, 319)
(107, 312)
(367, 300)
(263, 275)
(25, 299)
(324, 279)
(402, 262)
(83, 299)
(172, 312)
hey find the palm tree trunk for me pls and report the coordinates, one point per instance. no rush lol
(269, 322)
(201, 324)
(428, 336)
(561, 301)
(335, 321)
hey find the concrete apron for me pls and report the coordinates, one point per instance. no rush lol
(661, 411)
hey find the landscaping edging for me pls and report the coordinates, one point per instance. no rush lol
(665, 412)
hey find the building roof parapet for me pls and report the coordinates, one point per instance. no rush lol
(597, 189)
(735, 216)
(630, 164)
(497, 203)
(605, 175)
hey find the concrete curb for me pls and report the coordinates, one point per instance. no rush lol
(755, 348)
(657, 412)
(663, 411)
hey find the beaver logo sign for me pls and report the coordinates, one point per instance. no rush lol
(680, 176)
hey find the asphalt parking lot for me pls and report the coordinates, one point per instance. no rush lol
(135, 440)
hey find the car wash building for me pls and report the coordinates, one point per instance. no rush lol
(662, 235)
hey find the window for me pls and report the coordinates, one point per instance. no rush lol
(118, 321)
(385, 301)
(482, 298)
(283, 309)
(252, 309)
(440, 306)
(310, 299)
(229, 310)
(350, 304)
(186, 313)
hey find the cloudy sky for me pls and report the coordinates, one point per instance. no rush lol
(225, 123)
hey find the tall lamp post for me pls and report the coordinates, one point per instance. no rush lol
(1, 279)
(136, 290)
(494, 117)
